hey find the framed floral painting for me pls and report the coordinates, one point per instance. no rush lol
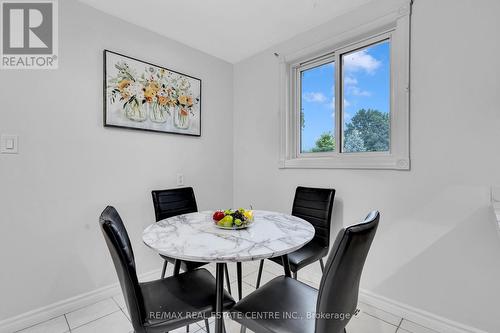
(143, 96)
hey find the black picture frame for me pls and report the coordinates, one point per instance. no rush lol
(168, 129)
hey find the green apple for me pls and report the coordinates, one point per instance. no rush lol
(238, 222)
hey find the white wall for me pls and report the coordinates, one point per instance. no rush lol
(70, 167)
(437, 248)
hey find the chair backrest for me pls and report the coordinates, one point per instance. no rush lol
(339, 287)
(122, 254)
(173, 202)
(315, 205)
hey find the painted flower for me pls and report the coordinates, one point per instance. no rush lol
(184, 85)
(123, 84)
(134, 89)
(163, 100)
(183, 99)
(153, 85)
(151, 90)
(172, 93)
(172, 102)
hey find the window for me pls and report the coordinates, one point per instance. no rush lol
(366, 101)
(347, 106)
(317, 95)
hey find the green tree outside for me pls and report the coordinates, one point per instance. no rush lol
(326, 142)
(368, 130)
(372, 126)
(354, 142)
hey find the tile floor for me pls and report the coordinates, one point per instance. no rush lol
(110, 315)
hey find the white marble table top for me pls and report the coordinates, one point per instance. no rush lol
(194, 237)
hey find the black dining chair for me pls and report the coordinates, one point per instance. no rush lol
(162, 305)
(327, 310)
(178, 201)
(314, 205)
(173, 202)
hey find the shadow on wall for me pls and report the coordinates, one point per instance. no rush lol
(337, 218)
(442, 247)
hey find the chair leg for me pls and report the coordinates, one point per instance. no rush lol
(294, 275)
(207, 326)
(164, 270)
(227, 279)
(322, 265)
(177, 267)
(259, 276)
(187, 329)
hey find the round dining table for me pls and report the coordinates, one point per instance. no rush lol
(195, 237)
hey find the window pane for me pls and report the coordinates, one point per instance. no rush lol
(317, 103)
(366, 99)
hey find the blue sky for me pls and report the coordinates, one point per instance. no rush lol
(366, 82)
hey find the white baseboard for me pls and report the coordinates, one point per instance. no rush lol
(57, 309)
(418, 316)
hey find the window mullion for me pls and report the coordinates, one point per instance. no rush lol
(338, 104)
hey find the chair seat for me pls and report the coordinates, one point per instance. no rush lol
(309, 253)
(186, 266)
(283, 296)
(186, 294)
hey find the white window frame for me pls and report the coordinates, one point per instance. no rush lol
(396, 29)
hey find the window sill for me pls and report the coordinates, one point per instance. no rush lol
(379, 162)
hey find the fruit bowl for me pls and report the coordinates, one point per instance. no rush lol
(233, 219)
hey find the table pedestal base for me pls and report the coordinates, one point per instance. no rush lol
(219, 291)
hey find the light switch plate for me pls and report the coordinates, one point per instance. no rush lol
(9, 144)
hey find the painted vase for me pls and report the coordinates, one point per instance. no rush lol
(135, 111)
(182, 118)
(157, 113)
